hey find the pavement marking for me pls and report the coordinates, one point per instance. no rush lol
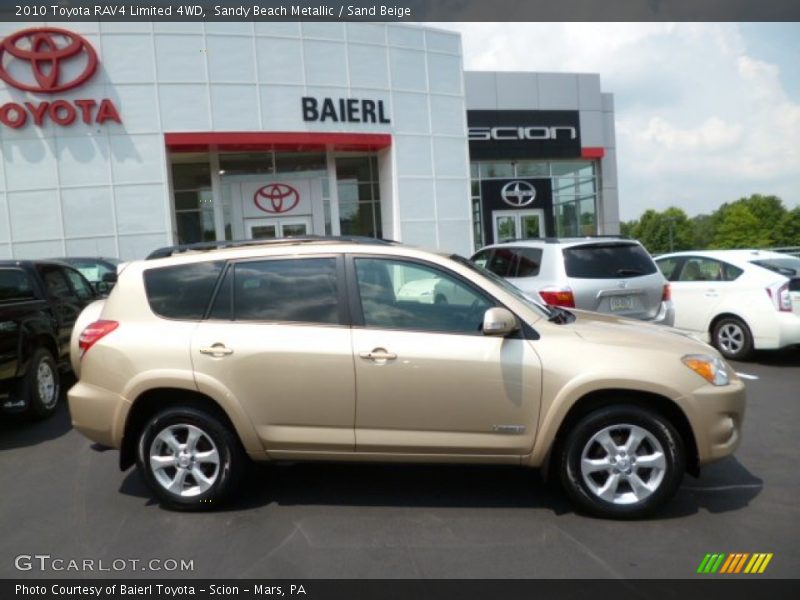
(747, 376)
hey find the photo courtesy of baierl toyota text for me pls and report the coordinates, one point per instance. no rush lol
(425, 299)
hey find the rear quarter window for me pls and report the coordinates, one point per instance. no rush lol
(608, 261)
(15, 285)
(182, 291)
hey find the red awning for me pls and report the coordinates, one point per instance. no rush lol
(286, 141)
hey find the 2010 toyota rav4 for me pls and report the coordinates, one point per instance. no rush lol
(304, 349)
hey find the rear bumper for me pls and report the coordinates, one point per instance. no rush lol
(666, 314)
(782, 330)
(98, 414)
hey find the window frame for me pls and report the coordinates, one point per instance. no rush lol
(357, 313)
(230, 266)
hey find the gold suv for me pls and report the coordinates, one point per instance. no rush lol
(346, 349)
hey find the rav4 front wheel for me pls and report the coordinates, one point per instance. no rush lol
(189, 459)
(621, 462)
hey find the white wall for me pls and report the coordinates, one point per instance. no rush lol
(88, 189)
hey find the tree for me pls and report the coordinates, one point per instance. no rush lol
(740, 228)
(767, 210)
(787, 232)
(662, 232)
(703, 228)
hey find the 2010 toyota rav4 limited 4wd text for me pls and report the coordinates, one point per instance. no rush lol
(304, 350)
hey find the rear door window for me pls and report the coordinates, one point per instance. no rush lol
(608, 261)
(708, 269)
(299, 290)
(182, 291)
(528, 261)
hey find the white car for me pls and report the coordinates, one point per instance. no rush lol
(738, 300)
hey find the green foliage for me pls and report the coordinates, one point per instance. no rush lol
(662, 232)
(787, 233)
(755, 222)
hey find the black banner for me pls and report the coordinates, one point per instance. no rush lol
(742, 587)
(516, 194)
(523, 134)
(403, 10)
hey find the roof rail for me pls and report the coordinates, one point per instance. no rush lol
(168, 251)
(558, 240)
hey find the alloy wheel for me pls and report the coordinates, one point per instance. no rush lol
(184, 460)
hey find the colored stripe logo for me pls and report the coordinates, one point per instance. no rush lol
(737, 562)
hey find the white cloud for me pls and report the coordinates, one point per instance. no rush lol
(700, 121)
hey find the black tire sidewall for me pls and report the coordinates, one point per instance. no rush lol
(747, 349)
(570, 457)
(231, 458)
(37, 408)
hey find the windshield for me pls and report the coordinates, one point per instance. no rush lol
(789, 266)
(497, 280)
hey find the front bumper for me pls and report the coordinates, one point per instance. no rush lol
(718, 414)
(98, 414)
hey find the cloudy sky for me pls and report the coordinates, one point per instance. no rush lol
(706, 113)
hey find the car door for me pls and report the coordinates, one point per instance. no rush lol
(278, 341)
(697, 292)
(428, 381)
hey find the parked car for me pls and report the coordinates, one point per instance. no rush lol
(39, 304)
(260, 351)
(99, 271)
(739, 300)
(609, 275)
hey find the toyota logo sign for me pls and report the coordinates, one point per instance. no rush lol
(276, 198)
(518, 193)
(47, 50)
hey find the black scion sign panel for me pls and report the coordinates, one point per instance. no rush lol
(521, 194)
(523, 134)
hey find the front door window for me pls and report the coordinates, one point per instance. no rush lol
(270, 229)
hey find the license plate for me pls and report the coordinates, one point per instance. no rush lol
(621, 303)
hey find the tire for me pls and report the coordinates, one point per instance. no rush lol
(202, 480)
(592, 488)
(41, 385)
(732, 337)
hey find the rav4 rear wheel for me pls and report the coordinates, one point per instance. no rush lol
(41, 386)
(621, 462)
(189, 459)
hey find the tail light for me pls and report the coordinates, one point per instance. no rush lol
(563, 297)
(781, 298)
(94, 333)
(666, 295)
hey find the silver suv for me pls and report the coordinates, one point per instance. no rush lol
(610, 275)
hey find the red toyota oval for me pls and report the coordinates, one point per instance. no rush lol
(46, 49)
(276, 198)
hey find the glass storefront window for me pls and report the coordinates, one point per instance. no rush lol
(359, 196)
(527, 168)
(491, 170)
(194, 202)
(292, 162)
(246, 163)
(574, 168)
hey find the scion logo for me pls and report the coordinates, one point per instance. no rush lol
(518, 193)
(47, 51)
(276, 198)
(515, 133)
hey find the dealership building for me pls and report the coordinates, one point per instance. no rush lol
(118, 138)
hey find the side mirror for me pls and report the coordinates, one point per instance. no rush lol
(103, 288)
(109, 278)
(499, 321)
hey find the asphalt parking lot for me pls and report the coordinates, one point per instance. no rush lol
(61, 497)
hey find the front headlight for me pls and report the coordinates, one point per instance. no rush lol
(710, 368)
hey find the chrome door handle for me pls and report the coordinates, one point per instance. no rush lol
(712, 293)
(378, 354)
(216, 350)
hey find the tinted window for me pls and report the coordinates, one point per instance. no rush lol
(297, 290)
(56, 283)
(182, 291)
(789, 266)
(15, 285)
(406, 295)
(528, 261)
(608, 261)
(93, 271)
(82, 288)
